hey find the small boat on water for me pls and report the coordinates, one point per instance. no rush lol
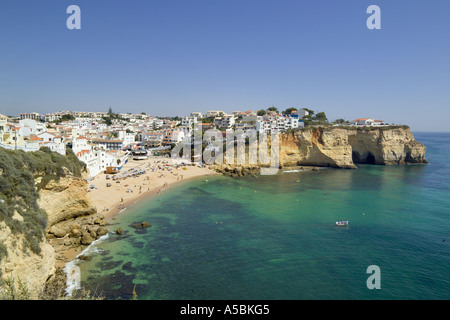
(341, 223)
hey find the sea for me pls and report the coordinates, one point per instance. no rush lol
(276, 238)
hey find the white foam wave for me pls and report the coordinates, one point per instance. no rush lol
(72, 268)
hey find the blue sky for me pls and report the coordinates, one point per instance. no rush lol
(167, 57)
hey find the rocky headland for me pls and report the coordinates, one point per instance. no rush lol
(340, 147)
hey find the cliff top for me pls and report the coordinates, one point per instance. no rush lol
(357, 128)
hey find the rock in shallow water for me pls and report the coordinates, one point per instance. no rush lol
(140, 224)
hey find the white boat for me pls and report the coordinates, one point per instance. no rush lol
(341, 223)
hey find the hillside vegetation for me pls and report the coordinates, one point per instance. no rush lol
(19, 193)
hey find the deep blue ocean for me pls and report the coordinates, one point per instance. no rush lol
(274, 237)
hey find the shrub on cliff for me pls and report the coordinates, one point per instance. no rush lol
(10, 289)
(19, 194)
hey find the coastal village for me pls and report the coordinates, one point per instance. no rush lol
(105, 140)
(127, 157)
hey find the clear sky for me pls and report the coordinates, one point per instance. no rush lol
(172, 57)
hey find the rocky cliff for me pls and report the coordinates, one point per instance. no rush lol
(73, 223)
(44, 211)
(341, 147)
(65, 199)
(22, 265)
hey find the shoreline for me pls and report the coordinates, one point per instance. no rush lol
(111, 214)
(149, 180)
(119, 197)
(154, 185)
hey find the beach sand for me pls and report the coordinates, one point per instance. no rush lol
(109, 201)
(160, 175)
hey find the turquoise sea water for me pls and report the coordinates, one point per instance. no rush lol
(222, 240)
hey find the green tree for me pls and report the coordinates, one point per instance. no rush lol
(340, 121)
(107, 120)
(67, 117)
(321, 117)
(208, 120)
(311, 112)
(272, 108)
(289, 110)
(261, 112)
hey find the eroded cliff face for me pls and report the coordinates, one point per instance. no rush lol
(388, 146)
(316, 147)
(65, 199)
(341, 147)
(73, 222)
(22, 265)
(344, 147)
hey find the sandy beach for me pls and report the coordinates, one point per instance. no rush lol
(160, 174)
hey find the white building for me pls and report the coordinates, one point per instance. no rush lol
(52, 117)
(127, 137)
(250, 118)
(33, 116)
(5, 129)
(96, 158)
(362, 122)
(189, 121)
(50, 137)
(228, 122)
(172, 137)
(269, 123)
(153, 138)
(302, 112)
(214, 113)
(30, 127)
(293, 123)
(197, 114)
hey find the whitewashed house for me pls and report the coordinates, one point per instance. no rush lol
(302, 113)
(30, 127)
(172, 137)
(214, 113)
(127, 137)
(96, 158)
(189, 121)
(196, 114)
(225, 122)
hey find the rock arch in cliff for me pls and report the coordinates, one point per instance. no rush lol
(365, 158)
